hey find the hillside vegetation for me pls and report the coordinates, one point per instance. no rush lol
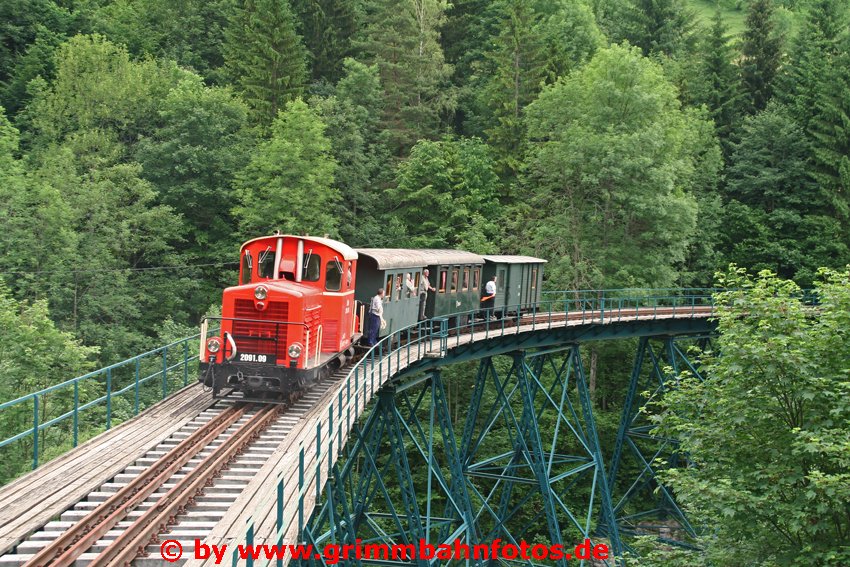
(632, 143)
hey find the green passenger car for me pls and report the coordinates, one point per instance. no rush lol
(397, 271)
(456, 275)
(519, 280)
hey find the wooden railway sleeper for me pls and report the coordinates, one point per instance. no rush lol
(156, 519)
(64, 550)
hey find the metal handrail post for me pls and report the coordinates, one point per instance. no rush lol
(76, 412)
(35, 432)
(164, 371)
(108, 399)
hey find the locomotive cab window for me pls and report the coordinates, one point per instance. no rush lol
(312, 267)
(247, 265)
(265, 267)
(333, 275)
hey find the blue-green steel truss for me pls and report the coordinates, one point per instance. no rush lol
(642, 505)
(527, 464)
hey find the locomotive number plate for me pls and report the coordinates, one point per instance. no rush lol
(247, 357)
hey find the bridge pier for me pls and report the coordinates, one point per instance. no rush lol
(402, 434)
(658, 362)
(527, 462)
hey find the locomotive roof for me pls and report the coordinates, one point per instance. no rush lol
(348, 253)
(389, 258)
(513, 259)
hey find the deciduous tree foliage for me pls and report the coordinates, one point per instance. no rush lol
(538, 43)
(36, 352)
(22, 21)
(612, 157)
(767, 431)
(201, 141)
(361, 151)
(98, 87)
(447, 196)
(288, 184)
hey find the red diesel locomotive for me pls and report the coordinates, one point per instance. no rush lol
(298, 310)
(290, 322)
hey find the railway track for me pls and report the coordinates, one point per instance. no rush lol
(178, 490)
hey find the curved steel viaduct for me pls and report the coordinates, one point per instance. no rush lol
(376, 456)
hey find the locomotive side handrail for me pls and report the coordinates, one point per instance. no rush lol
(318, 345)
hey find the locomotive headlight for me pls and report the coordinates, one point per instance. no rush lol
(214, 345)
(295, 350)
(261, 292)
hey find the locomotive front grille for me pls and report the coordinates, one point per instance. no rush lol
(257, 336)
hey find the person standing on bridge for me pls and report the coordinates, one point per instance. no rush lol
(424, 288)
(376, 316)
(488, 300)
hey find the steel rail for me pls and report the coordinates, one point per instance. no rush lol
(133, 540)
(64, 550)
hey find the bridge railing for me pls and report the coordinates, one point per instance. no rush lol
(114, 392)
(432, 339)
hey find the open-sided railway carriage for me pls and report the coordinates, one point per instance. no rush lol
(300, 306)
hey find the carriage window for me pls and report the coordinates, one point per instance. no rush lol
(398, 287)
(465, 285)
(476, 276)
(409, 285)
(500, 281)
(247, 264)
(388, 290)
(454, 280)
(265, 269)
(416, 282)
(312, 267)
(333, 276)
(534, 278)
(443, 277)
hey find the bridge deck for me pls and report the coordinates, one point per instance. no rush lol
(257, 505)
(35, 498)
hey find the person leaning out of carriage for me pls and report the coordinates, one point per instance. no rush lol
(488, 300)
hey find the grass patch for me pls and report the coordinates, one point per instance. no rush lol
(705, 11)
